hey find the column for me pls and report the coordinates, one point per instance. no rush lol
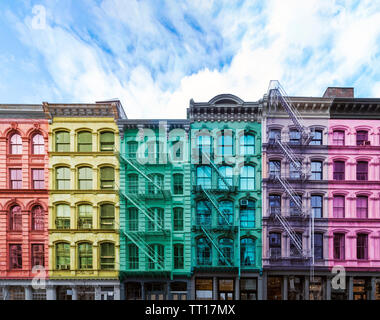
(142, 290)
(285, 288)
(237, 289)
(28, 293)
(214, 288)
(6, 293)
(307, 287)
(97, 293)
(190, 289)
(75, 293)
(373, 289)
(350, 288)
(116, 292)
(51, 293)
(328, 288)
(261, 288)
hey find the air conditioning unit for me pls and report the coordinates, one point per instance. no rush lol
(63, 267)
(367, 143)
(243, 203)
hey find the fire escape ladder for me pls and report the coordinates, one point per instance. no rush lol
(227, 184)
(208, 234)
(214, 202)
(291, 233)
(287, 151)
(290, 192)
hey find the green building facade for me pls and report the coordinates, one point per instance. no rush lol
(155, 215)
(226, 199)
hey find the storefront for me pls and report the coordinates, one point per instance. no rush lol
(248, 289)
(274, 288)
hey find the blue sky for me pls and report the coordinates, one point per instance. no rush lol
(155, 55)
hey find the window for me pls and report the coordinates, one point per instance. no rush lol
(38, 218)
(63, 216)
(226, 246)
(157, 251)
(274, 245)
(204, 144)
(38, 144)
(16, 178)
(85, 216)
(339, 248)
(15, 219)
(133, 219)
(178, 256)
(225, 144)
(107, 178)
(247, 178)
(273, 135)
(247, 144)
(227, 173)
(294, 170)
(338, 173)
(204, 177)
(15, 256)
(203, 252)
(316, 170)
(274, 168)
(362, 170)
(107, 256)
(362, 207)
(227, 210)
(85, 256)
(38, 178)
(38, 257)
(294, 250)
(361, 137)
(317, 138)
(62, 141)
(16, 144)
(178, 219)
(247, 213)
(338, 207)
(84, 141)
(85, 178)
(317, 206)
(362, 246)
(294, 137)
(133, 183)
(295, 207)
(107, 216)
(275, 204)
(156, 180)
(156, 222)
(338, 138)
(132, 149)
(318, 246)
(247, 252)
(62, 256)
(178, 183)
(63, 178)
(204, 213)
(133, 256)
(107, 141)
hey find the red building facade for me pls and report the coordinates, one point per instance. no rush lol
(23, 193)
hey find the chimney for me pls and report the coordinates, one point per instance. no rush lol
(339, 92)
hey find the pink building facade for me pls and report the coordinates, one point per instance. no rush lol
(23, 199)
(354, 194)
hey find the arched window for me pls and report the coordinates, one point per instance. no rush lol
(227, 209)
(62, 256)
(247, 144)
(156, 222)
(107, 216)
(247, 213)
(204, 144)
(247, 178)
(338, 170)
(133, 219)
(133, 256)
(227, 173)
(107, 141)
(203, 213)
(84, 141)
(63, 178)
(274, 204)
(225, 144)
(62, 216)
(85, 255)
(247, 252)
(15, 144)
(132, 149)
(226, 246)
(178, 256)
(204, 176)
(157, 180)
(203, 252)
(275, 245)
(361, 137)
(362, 170)
(62, 141)
(38, 144)
(157, 251)
(338, 207)
(38, 218)
(85, 216)
(15, 219)
(133, 183)
(85, 178)
(178, 183)
(362, 207)
(107, 256)
(107, 178)
(338, 137)
(178, 219)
